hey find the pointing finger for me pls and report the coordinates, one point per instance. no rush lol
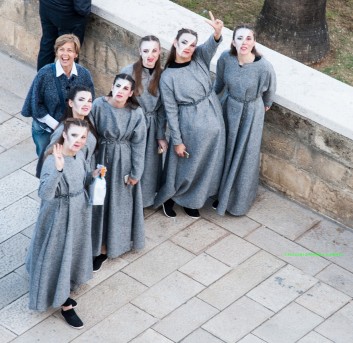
(211, 15)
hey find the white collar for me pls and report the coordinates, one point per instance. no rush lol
(60, 70)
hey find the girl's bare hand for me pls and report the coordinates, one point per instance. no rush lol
(58, 156)
(217, 25)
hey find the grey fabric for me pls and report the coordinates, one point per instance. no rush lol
(195, 119)
(121, 148)
(87, 150)
(155, 124)
(247, 90)
(60, 255)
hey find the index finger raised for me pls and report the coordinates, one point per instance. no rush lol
(211, 15)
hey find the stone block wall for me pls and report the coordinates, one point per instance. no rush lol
(300, 158)
(309, 163)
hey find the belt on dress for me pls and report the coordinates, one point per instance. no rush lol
(113, 141)
(70, 195)
(244, 101)
(194, 103)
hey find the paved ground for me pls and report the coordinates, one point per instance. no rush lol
(212, 280)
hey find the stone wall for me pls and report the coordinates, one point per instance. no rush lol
(306, 161)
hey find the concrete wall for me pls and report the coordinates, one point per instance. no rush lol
(307, 150)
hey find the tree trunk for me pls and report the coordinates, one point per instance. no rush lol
(295, 28)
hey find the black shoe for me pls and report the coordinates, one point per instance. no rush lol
(191, 212)
(168, 209)
(72, 318)
(69, 302)
(215, 204)
(98, 262)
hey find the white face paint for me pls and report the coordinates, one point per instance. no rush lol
(75, 138)
(121, 90)
(244, 37)
(149, 51)
(186, 41)
(82, 104)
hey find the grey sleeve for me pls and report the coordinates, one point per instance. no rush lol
(161, 122)
(219, 82)
(207, 50)
(268, 95)
(138, 147)
(171, 110)
(49, 179)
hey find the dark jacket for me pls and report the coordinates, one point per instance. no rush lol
(81, 7)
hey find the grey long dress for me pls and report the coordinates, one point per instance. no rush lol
(60, 255)
(121, 148)
(155, 124)
(195, 119)
(248, 89)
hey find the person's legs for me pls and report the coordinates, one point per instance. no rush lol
(40, 137)
(46, 53)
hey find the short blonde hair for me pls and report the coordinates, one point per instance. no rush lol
(67, 38)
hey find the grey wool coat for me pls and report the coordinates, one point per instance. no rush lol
(195, 119)
(60, 254)
(87, 150)
(121, 148)
(155, 124)
(247, 90)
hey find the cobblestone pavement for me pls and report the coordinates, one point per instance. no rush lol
(217, 279)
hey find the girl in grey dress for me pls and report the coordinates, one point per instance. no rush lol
(79, 106)
(60, 255)
(120, 124)
(146, 73)
(193, 166)
(249, 85)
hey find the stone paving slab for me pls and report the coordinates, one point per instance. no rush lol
(283, 247)
(201, 336)
(232, 250)
(289, 325)
(251, 339)
(15, 186)
(6, 335)
(120, 327)
(314, 337)
(165, 296)
(339, 327)
(338, 278)
(14, 131)
(282, 215)
(329, 238)
(18, 216)
(233, 323)
(323, 299)
(4, 116)
(14, 286)
(282, 288)
(158, 263)
(185, 319)
(31, 167)
(205, 269)
(198, 236)
(17, 157)
(10, 102)
(241, 280)
(151, 336)
(13, 253)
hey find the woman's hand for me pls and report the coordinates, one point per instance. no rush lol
(179, 149)
(58, 157)
(267, 108)
(217, 25)
(96, 172)
(131, 181)
(163, 144)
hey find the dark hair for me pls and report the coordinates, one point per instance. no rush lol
(138, 67)
(172, 53)
(67, 124)
(68, 111)
(233, 50)
(131, 101)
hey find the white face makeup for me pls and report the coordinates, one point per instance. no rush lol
(185, 41)
(241, 36)
(149, 52)
(82, 104)
(75, 138)
(121, 90)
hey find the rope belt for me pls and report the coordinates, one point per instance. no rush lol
(113, 141)
(195, 103)
(242, 100)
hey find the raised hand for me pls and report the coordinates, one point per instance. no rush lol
(217, 25)
(58, 156)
